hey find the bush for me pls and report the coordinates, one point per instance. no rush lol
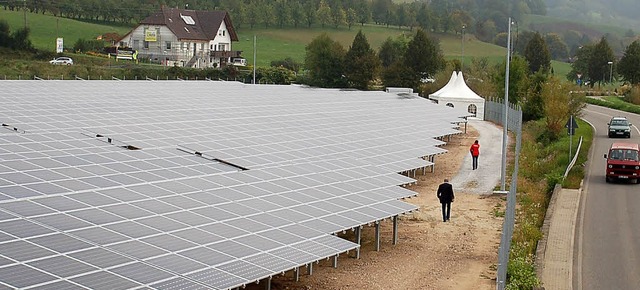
(632, 95)
(83, 45)
(521, 274)
(287, 63)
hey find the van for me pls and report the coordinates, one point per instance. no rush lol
(622, 162)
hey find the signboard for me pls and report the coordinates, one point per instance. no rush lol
(59, 45)
(150, 35)
(571, 125)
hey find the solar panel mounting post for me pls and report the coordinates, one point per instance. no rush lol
(310, 269)
(395, 229)
(377, 236)
(335, 261)
(358, 240)
(267, 286)
(296, 274)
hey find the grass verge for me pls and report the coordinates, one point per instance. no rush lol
(614, 103)
(542, 166)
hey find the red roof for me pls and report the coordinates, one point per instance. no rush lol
(205, 23)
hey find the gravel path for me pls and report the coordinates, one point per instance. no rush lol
(484, 179)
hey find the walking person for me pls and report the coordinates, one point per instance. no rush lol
(445, 195)
(475, 152)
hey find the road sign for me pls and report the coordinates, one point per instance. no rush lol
(571, 125)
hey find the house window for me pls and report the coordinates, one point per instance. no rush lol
(146, 44)
(136, 44)
(167, 45)
(201, 46)
(224, 32)
(183, 45)
(222, 47)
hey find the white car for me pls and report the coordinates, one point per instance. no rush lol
(62, 60)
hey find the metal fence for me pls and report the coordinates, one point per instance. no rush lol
(494, 112)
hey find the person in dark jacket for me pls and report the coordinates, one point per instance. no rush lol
(445, 195)
(475, 152)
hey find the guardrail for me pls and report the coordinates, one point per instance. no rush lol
(573, 161)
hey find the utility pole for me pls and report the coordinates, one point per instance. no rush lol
(24, 9)
(505, 120)
(462, 54)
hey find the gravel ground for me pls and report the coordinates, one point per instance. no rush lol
(460, 254)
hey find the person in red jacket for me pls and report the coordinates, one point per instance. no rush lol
(475, 152)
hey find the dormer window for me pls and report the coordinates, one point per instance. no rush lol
(186, 29)
(187, 19)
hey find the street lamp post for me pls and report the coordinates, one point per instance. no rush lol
(462, 54)
(610, 71)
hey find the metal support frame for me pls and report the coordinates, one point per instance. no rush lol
(395, 230)
(377, 236)
(358, 240)
(310, 269)
(335, 261)
(268, 285)
(296, 274)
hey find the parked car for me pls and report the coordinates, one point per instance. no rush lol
(239, 61)
(619, 127)
(63, 60)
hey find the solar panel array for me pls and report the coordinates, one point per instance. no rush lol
(228, 183)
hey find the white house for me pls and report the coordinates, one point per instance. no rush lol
(187, 38)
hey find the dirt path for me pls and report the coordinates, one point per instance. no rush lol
(460, 254)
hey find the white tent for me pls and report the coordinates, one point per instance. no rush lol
(456, 93)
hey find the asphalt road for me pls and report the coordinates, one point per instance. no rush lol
(607, 245)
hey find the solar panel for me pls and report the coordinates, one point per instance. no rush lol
(225, 186)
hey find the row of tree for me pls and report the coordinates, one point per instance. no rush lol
(596, 63)
(485, 18)
(399, 62)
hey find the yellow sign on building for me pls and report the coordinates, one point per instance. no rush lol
(150, 35)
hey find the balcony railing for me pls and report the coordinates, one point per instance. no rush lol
(225, 54)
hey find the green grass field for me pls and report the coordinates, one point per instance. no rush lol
(46, 28)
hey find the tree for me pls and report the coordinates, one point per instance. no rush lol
(297, 13)
(361, 63)
(557, 47)
(394, 75)
(363, 11)
(5, 34)
(324, 13)
(310, 12)
(580, 65)
(533, 107)
(352, 17)
(537, 55)
(559, 104)
(392, 50)
(629, 64)
(518, 79)
(267, 14)
(283, 12)
(423, 56)
(599, 67)
(324, 61)
(338, 16)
